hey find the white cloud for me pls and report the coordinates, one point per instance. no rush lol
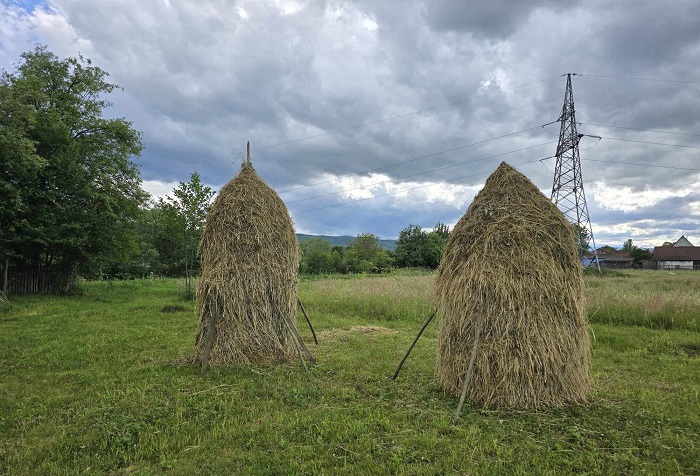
(626, 199)
(158, 189)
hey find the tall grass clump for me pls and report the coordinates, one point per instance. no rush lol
(510, 283)
(249, 275)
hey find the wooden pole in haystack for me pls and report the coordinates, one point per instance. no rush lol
(513, 332)
(247, 294)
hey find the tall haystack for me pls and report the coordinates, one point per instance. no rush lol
(511, 282)
(249, 276)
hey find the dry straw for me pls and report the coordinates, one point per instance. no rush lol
(511, 281)
(249, 275)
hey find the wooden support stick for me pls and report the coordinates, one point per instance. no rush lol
(296, 343)
(458, 411)
(308, 321)
(430, 318)
(209, 341)
(295, 334)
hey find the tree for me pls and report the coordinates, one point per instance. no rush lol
(418, 249)
(609, 248)
(410, 246)
(639, 254)
(75, 205)
(442, 230)
(191, 204)
(628, 245)
(667, 243)
(366, 245)
(19, 164)
(316, 256)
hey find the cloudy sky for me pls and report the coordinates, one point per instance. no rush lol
(370, 115)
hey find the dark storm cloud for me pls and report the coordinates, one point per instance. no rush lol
(202, 78)
(493, 19)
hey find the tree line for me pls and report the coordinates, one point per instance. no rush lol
(415, 248)
(71, 201)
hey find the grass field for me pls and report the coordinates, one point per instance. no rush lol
(97, 384)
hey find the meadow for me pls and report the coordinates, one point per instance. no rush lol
(99, 383)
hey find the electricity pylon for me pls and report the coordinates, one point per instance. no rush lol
(567, 189)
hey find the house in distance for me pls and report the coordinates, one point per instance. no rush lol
(681, 255)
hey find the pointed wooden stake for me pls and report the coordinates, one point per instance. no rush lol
(308, 321)
(209, 341)
(248, 157)
(465, 386)
(396, 374)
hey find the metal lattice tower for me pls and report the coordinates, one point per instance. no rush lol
(567, 189)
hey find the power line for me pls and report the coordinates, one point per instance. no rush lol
(417, 158)
(643, 165)
(419, 173)
(640, 130)
(399, 116)
(649, 142)
(638, 79)
(406, 190)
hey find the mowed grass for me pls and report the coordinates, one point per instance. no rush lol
(99, 384)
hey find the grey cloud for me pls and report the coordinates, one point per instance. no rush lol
(493, 19)
(200, 81)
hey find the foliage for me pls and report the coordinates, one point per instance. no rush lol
(363, 255)
(185, 213)
(637, 254)
(419, 249)
(316, 257)
(73, 191)
(627, 245)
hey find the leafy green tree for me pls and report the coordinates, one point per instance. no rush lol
(442, 230)
(639, 254)
(410, 246)
(366, 245)
(418, 249)
(316, 256)
(628, 245)
(609, 248)
(74, 205)
(19, 165)
(190, 202)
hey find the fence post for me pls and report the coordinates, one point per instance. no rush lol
(4, 276)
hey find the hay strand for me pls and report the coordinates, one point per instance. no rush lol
(511, 269)
(249, 275)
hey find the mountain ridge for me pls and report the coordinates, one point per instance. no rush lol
(344, 240)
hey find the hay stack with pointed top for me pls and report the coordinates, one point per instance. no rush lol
(249, 274)
(511, 274)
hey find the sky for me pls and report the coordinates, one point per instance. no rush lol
(367, 116)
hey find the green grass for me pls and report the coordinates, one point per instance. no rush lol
(97, 384)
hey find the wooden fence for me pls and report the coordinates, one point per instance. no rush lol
(36, 282)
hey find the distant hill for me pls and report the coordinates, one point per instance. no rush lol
(345, 240)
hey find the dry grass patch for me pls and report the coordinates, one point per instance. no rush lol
(331, 334)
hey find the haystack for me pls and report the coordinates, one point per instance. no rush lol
(249, 276)
(511, 281)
